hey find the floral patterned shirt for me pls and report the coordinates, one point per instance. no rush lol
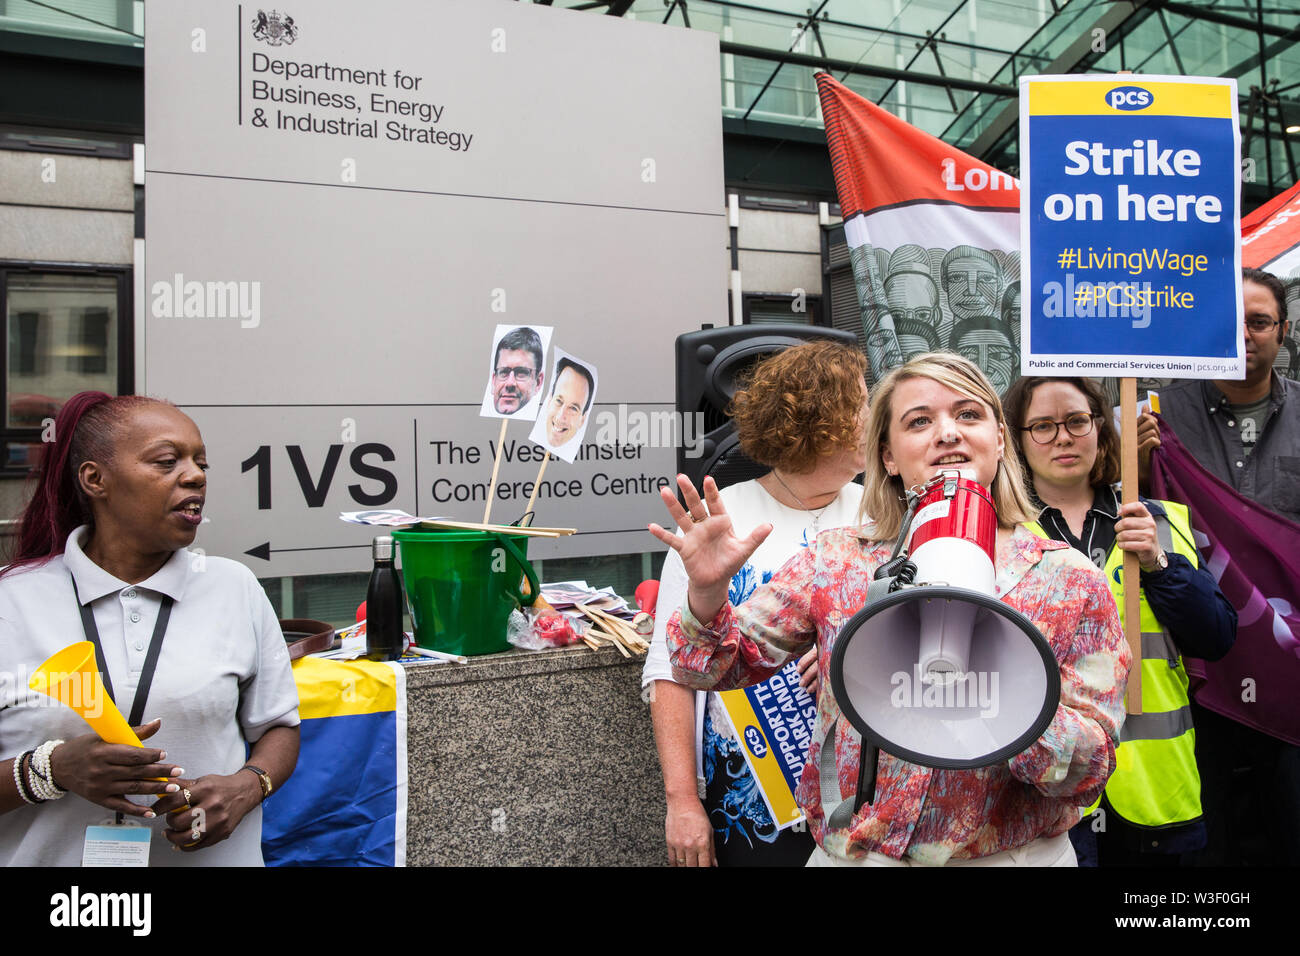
(931, 815)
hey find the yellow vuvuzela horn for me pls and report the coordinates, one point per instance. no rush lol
(71, 678)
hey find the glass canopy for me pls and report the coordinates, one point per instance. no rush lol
(950, 67)
(947, 66)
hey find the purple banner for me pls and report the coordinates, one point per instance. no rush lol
(1254, 554)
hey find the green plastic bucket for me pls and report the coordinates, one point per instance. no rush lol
(462, 585)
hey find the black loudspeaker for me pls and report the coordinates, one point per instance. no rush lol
(709, 364)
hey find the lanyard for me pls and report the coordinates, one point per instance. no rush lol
(150, 658)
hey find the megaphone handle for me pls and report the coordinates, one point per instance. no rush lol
(868, 758)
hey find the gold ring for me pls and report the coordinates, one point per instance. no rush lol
(186, 793)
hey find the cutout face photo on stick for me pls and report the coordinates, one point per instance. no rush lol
(516, 376)
(566, 407)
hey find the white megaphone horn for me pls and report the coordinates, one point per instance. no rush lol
(935, 669)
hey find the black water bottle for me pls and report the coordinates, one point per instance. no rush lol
(385, 640)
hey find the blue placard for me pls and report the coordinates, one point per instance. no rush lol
(785, 715)
(1130, 227)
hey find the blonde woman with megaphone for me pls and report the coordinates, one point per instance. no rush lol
(936, 413)
(190, 639)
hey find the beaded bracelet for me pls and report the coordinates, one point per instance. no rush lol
(27, 795)
(42, 780)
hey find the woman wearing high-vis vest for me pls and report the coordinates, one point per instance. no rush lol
(1064, 433)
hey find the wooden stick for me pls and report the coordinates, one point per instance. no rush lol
(626, 633)
(621, 630)
(596, 621)
(617, 643)
(598, 635)
(500, 528)
(595, 629)
(538, 483)
(496, 463)
(1129, 480)
(596, 614)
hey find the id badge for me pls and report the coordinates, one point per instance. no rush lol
(116, 844)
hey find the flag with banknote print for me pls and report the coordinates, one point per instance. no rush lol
(933, 236)
(345, 804)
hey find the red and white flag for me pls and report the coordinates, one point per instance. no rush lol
(933, 236)
(1270, 236)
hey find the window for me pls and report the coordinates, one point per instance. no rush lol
(767, 308)
(67, 329)
(778, 201)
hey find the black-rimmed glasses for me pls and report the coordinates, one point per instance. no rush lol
(1044, 432)
(1262, 325)
(517, 372)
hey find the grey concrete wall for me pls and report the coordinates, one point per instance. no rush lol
(49, 179)
(539, 758)
(66, 235)
(56, 208)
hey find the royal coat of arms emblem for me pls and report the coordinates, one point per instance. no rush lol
(274, 28)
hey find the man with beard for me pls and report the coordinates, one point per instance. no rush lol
(1247, 434)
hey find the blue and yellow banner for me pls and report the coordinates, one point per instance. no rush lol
(345, 804)
(774, 723)
(1130, 210)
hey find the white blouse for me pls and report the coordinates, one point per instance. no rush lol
(222, 680)
(749, 506)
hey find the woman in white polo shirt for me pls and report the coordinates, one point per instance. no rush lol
(188, 639)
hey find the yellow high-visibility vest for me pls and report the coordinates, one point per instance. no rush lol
(1155, 782)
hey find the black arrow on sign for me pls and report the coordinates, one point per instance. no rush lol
(264, 550)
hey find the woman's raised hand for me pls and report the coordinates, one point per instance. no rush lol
(708, 546)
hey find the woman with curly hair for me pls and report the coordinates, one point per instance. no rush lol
(801, 414)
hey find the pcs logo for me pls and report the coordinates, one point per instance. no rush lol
(1129, 98)
(755, 741)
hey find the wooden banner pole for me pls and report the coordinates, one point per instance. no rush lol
(496, 463)
(1128, 470)
(538, 483)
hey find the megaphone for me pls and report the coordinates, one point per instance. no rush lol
(938, 671)
(72, 678)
